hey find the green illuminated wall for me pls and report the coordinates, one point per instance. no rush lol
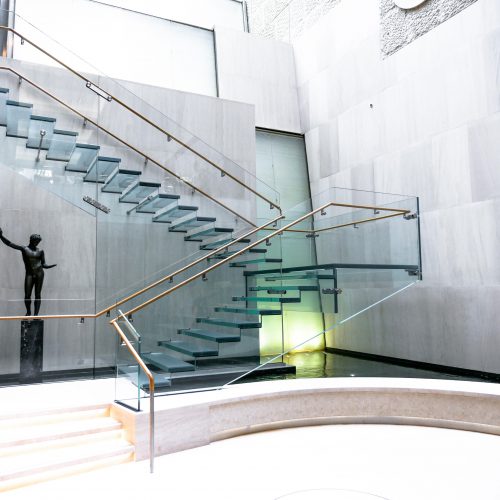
(282, 164)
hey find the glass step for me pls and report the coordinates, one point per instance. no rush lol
(18, 118)
(166, 362)
(191, 220)
(138, 191)
(219, 242)
(4, 95)
(83, 158)
(213, 336)
(189, 349)
(206, 231)
(283, 300)
(173, 211)
(242, 325)
(102, 169)
(62, 145)
(301, 276)
(300, 288)
(225, 255)
(119, 180)
(41, 128)
(137, 375)
(245, 310)
(155, 202)
(245, 263)
(222, 256)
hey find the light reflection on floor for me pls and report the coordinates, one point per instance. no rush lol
(321, 364)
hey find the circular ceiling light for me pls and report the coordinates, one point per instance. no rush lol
(408, 4)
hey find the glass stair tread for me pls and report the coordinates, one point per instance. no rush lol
(306, 276)
(102, 169)
(219, 242)
(225, 255)
(119, 180)
(188, 348)
(138, 377)
(166, 362)
(244, 263)
(155, 202)
(203, 232)
(17, 118)
(82, 158)
(245, 310)
(282, 300)
(190, 220)
(300, 288)
(173, 211)
(242, 325)
(4, 94)
(138, 191)
(37, 126)
(213, 336)
(62, 145)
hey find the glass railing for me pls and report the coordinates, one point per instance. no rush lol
(286, 291)
(151, 128)
(131, 382)
(133, 218)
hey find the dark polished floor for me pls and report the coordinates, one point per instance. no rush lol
(321, 364)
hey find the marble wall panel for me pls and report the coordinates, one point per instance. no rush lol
(437, 169)
(458, 328)
(484, 156)
(432, 132)
(259, 72)
(460, 245)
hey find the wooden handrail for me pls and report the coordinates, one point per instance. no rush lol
(110, 97)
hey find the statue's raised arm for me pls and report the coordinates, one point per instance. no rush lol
(9, 243)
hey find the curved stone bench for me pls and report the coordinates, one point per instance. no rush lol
(191, 420)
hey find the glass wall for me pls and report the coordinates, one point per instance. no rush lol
(120, 43)
(282, 164)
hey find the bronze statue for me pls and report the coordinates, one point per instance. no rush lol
(34, 263)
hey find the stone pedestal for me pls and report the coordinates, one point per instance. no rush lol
(31, 351)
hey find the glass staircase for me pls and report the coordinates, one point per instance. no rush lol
(229, 305)
(294, 287)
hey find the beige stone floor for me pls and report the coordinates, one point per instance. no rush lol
(392, 462)
(342, 462)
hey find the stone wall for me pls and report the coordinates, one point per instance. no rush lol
(424, 121)
(285, 19)
(399, 27)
